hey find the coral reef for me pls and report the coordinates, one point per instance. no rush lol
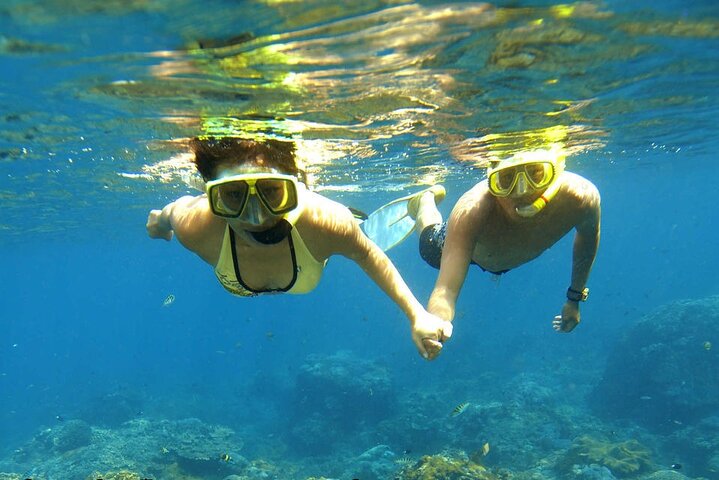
(415, 423)
(696, 444)
(334, 395)
(592, 472)
(189, 446)
(662, 374)
(528, 422)
(377, 463)
(10, 476)
(71, 435)
(68, 436)
(113, 409)
(713, 463)
(523, 428)
(522, 420)
(445, 467)
(624, 459)
(665, 475)
(121, 475)
(327, 384)
(193, 439)
(262, 469)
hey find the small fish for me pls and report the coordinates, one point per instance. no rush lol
(707, 345)
(164, 450)
(404, 461)
(676, 466)
(225, 457)
(645, 397)
(169, 300)
(460, 408)
(59, 418)
(485, 449)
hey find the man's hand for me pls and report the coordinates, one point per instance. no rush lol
(157, 226)
(429, 332)
(569, 318)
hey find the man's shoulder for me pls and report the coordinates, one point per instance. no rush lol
(474, 197)
(475, 207)
(579, 200)
(580, 188)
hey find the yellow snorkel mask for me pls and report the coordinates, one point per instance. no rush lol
(254, 196)
(537, 169)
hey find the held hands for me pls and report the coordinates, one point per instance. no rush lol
(428, 334)
(569, 318)
(157, 226)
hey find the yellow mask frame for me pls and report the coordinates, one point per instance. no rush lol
(228, 196)
(540, 169)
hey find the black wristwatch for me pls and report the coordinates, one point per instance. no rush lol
(576, 296)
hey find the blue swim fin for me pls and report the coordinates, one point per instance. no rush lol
(391, 224)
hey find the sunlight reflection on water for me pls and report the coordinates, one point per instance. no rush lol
(379, 96)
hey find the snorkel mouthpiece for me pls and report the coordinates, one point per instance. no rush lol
(538, 205)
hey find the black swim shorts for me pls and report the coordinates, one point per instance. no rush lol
(431, 243)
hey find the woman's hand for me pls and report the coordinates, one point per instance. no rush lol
(429, 332)
(158, 226)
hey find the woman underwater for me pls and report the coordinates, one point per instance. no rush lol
(264, 232)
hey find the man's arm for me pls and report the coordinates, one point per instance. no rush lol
(586, 244)
(456, 257)
(428, 331)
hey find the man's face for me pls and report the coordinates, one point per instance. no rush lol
(521, 181)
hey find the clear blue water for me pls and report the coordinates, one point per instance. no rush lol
(383, 95)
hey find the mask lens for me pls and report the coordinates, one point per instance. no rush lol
(505, 178)
(539, 174)
(502, 181)
(279, 195)
(229, 199)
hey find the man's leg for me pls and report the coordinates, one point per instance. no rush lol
(428, 224)
(423, 208)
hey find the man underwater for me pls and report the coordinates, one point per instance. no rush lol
(527, 203)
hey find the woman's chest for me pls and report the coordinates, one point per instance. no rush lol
(265, 267)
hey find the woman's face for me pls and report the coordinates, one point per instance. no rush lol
(255, 216)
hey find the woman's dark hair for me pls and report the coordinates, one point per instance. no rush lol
(212, 153)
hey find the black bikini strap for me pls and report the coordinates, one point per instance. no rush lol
(236, 265)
